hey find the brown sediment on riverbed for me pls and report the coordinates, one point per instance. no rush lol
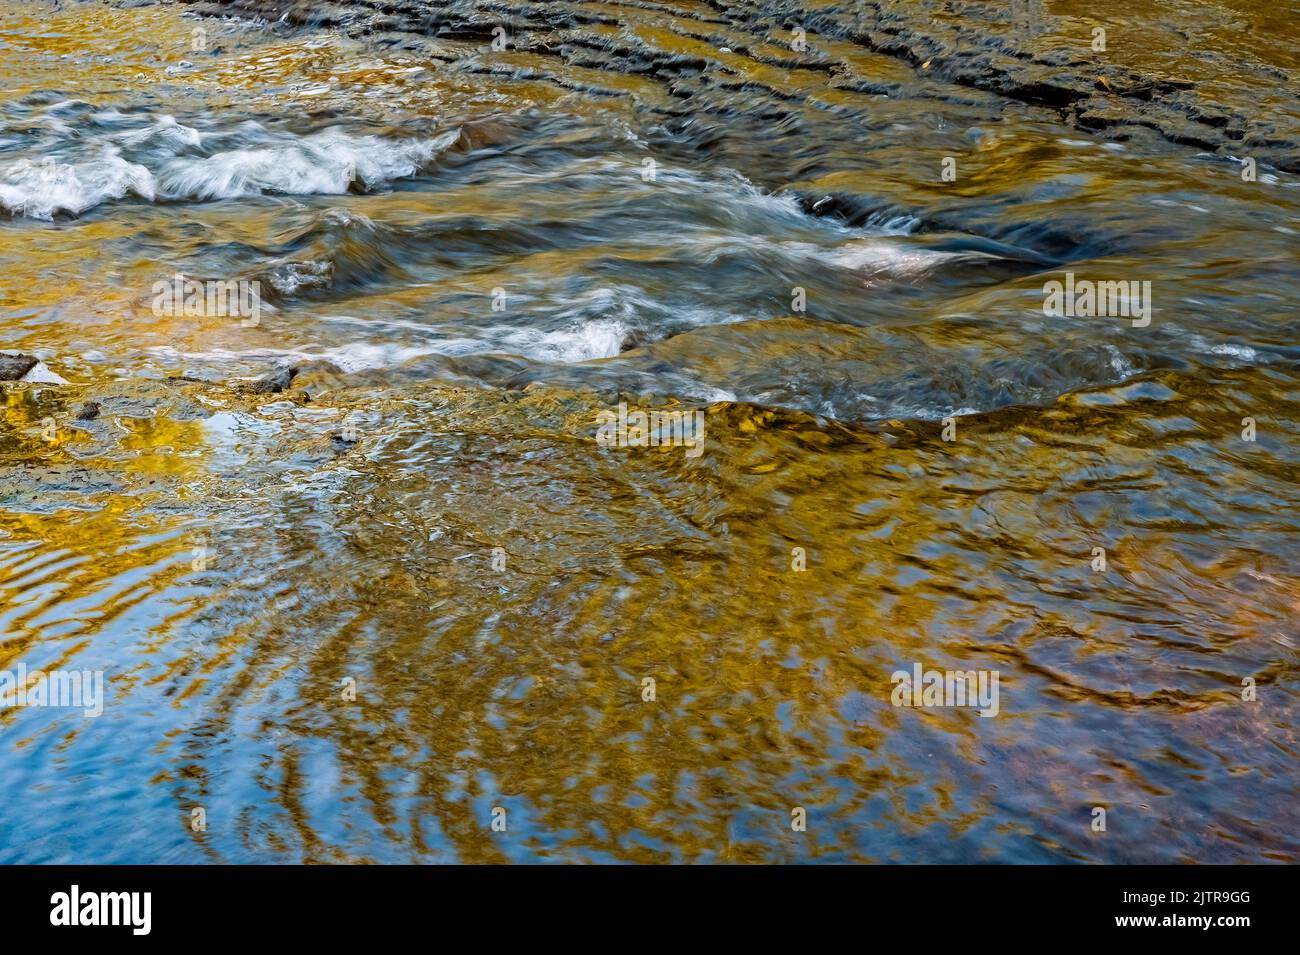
(1197, 77)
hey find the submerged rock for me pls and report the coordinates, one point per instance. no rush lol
(13, 367)
(18, 367)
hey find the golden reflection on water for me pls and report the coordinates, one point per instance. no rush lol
(523, 689)
(232, 566)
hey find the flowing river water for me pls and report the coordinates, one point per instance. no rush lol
(357, 572)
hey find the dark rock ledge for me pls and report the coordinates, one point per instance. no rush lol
(1160, 74)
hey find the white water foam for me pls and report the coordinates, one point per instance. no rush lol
(323, 164)
(585, 341)
(877, 257)
(348, 358)
(39, 190)
(164, 160)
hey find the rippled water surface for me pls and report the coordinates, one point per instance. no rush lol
(464, 257)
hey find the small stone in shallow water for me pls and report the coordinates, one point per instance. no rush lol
(13, 366)
(270, 384)
(89, 411)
